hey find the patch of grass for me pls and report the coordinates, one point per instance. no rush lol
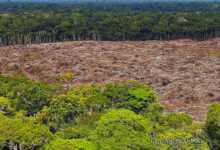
(67, 76)
(35, 56)
(209, 51)
(13, 68)
(216, 53)
(30, 56)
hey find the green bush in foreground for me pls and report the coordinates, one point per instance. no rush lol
(115, 116)
(22, 132)
(213, 125)
(73, 144)
(122, 129)
(28, 95)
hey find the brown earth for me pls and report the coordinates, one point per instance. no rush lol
(185, 74)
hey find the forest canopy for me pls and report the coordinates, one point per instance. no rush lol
(91, 117)
(27, 23)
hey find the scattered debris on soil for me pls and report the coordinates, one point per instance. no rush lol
(185, 74)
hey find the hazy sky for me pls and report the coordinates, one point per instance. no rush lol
(111, 0)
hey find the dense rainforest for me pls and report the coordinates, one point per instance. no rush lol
(110, 6)
(27, 23)
(113, 117)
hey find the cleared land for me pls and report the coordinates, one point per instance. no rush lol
(185, 74)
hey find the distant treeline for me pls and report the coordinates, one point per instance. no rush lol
(54, 24)
(41, 27)
(112, 6)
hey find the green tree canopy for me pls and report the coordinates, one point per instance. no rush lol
(122, 129)
(22, 132)
(30, 96)
(213, 125)
(73, 144)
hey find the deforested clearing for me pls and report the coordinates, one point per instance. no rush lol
(185, 74)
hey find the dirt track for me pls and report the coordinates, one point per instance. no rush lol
(185, 74)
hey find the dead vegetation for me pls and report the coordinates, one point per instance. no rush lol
(185, 74)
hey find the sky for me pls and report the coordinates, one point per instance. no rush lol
(106, 0)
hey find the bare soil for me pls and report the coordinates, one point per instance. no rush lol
(185, 74)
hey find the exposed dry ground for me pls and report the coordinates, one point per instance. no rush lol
(185, 74)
